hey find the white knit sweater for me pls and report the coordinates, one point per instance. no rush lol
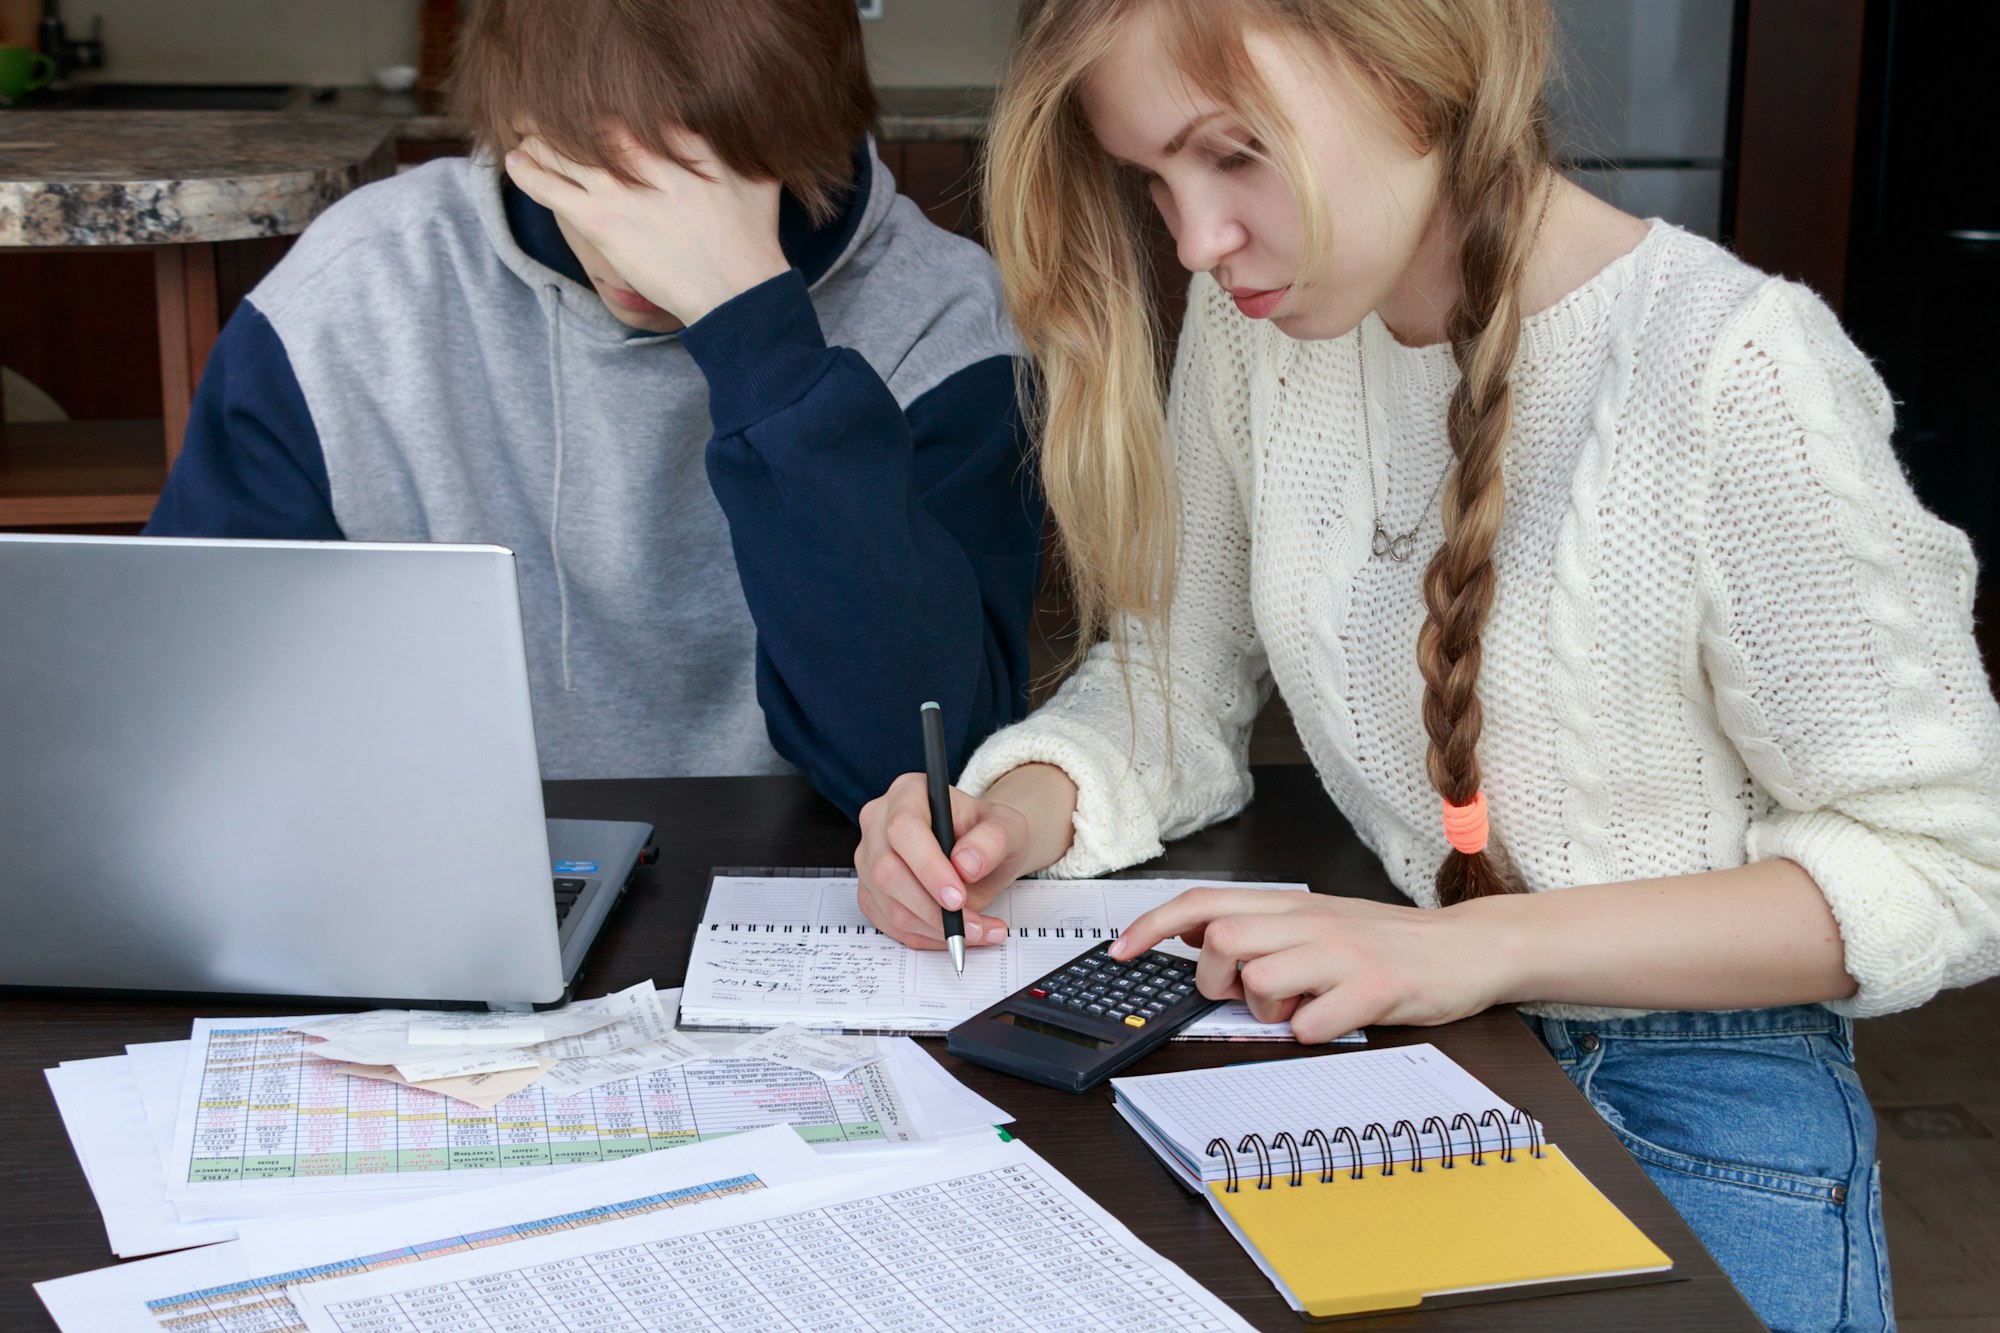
(1724, 631)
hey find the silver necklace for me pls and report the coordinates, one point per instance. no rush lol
(1397, 548)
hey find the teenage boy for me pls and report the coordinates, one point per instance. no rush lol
(746, 419)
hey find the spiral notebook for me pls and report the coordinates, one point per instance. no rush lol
(1385, 1180)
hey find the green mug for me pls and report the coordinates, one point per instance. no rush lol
(23, 71)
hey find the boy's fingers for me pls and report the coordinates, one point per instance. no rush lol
(696, 154)
(530, 178)
(565, 169)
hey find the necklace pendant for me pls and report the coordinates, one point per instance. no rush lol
(1399, 549)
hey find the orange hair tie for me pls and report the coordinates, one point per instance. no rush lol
(1465, 825)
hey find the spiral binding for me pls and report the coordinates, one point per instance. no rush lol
(1388, 1139)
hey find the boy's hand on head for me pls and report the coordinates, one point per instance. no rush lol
(685, 240)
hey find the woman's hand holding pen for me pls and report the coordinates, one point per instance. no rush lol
(906, 880)
(1331, 965)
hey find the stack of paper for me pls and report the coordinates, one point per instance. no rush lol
(242, 1283)
(183, 1142)
(723, 1236)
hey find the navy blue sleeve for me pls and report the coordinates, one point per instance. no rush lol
(250, 463)
(887, 558)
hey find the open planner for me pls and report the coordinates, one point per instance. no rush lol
(1385, 1180)
(776, 947)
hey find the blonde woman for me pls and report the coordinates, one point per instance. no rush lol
(1578, 550)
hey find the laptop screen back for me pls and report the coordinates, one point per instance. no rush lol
(269, 767)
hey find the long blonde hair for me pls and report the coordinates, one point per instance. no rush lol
(1465, 78)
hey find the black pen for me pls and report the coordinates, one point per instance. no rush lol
(938, 772)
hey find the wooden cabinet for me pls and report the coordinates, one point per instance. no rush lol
(126, 239)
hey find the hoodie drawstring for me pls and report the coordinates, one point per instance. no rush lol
(554, 309)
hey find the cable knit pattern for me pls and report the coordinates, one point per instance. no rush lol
(1725, 629)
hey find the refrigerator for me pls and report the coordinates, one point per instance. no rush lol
(1642, 100)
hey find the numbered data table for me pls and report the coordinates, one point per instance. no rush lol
(1010, 1247)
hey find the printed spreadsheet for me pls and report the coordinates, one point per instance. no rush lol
(263, 1304)
(259, 1107)
(1010, 1246)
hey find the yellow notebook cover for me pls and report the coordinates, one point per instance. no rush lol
(1392, 1240)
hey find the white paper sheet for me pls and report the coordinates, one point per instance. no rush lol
(101, 1109)
(464, 1066)
(581, 1073)
(242, 1284)
(453, 1029)
(992, 1238)
(642, 1025)
(816, 1052)
(431, 1040)
(778, 950)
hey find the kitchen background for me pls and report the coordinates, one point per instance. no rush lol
(342, 42)
(1846, 143)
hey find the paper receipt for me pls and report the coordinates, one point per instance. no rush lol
(821, 1053)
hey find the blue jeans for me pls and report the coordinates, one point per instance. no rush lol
(1754, 1125)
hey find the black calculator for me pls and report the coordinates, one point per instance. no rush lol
(1085, 1021)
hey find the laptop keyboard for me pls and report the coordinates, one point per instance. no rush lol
(567, 892)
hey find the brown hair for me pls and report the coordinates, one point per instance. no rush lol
(779, 88)
(1465, 77)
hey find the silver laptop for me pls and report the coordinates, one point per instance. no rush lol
(282, 768)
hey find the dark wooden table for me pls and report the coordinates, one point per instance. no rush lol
(51, 1227)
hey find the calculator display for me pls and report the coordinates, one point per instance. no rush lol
(1013, 1020)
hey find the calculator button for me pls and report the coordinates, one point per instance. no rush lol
(1097, 1009)
(1057, 999)
(1038, 992)
(1134, 1021)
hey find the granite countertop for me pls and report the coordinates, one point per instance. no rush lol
(174, 177)
(907, 113)
(84, 177)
